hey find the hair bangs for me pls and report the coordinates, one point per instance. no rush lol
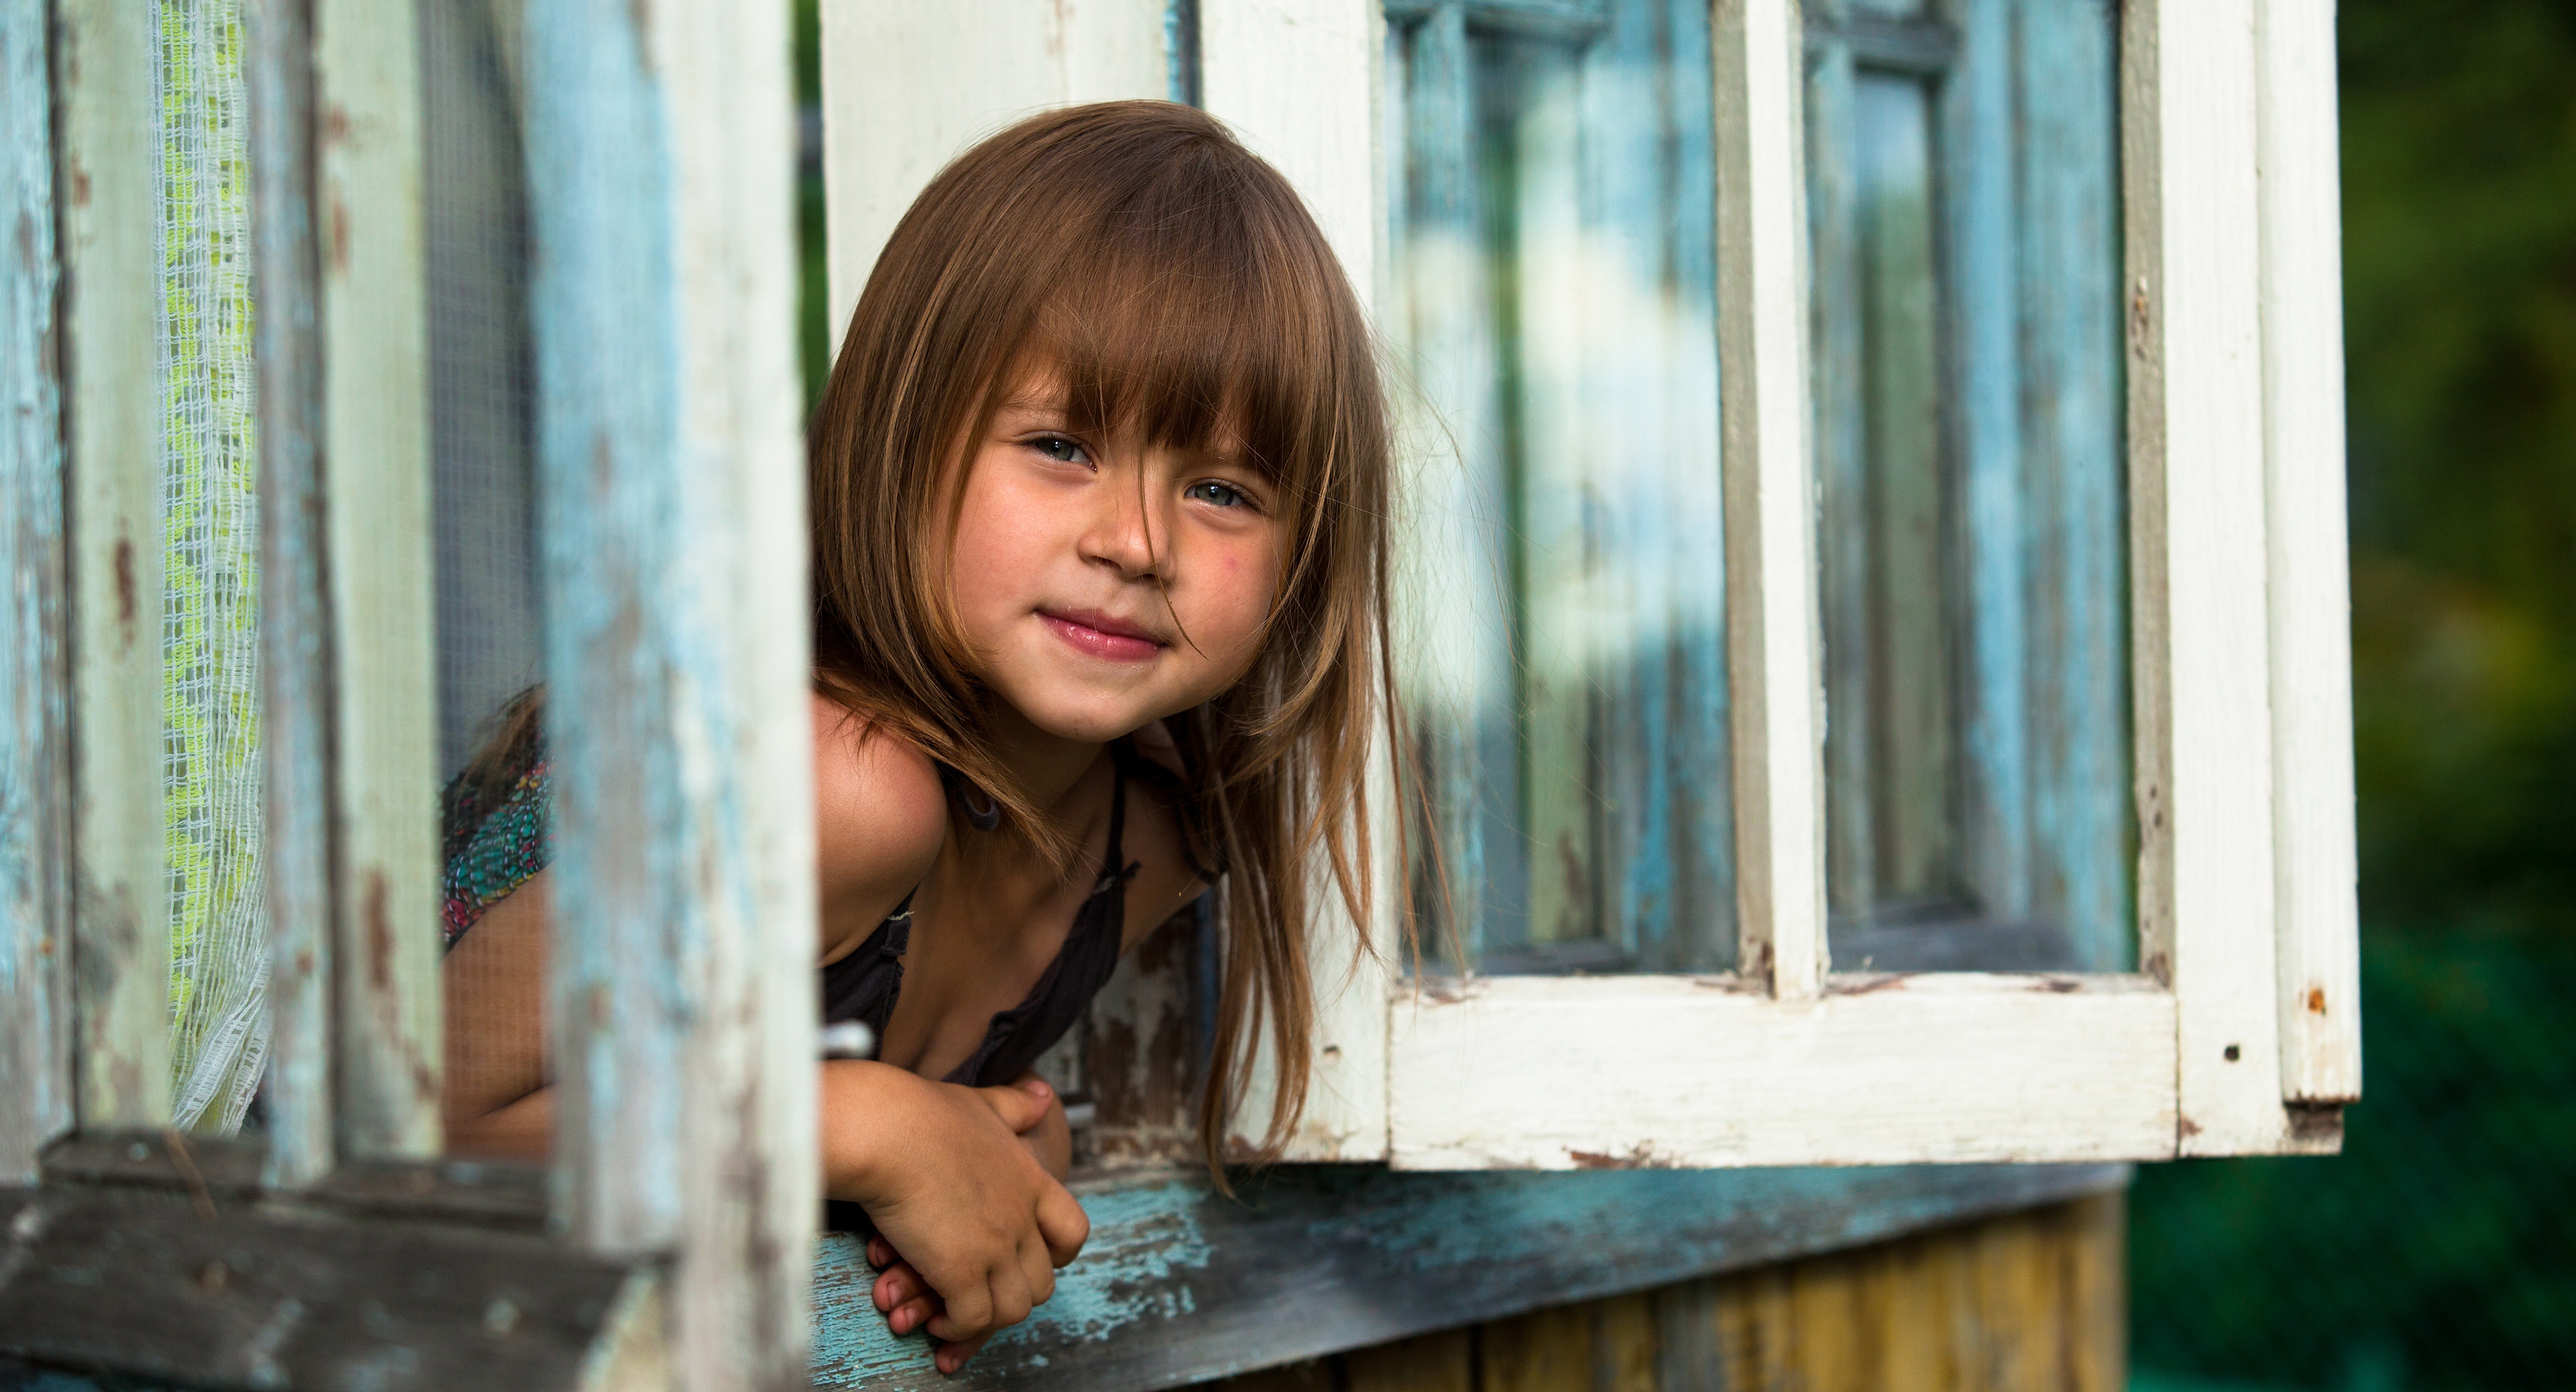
(1189, 317)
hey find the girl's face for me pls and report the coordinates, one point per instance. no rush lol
(1103, 584)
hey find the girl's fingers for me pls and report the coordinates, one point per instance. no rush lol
(969, 1312)
(912, 1314)
(952, 1355)
(900, 1282)
(880, 1253)
(1038, 1271)
(1063, 1224)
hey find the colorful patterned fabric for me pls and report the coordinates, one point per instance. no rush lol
(498, 837)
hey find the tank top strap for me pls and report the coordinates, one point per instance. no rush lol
(1114, 866)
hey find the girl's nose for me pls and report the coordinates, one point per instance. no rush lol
(1125, 534)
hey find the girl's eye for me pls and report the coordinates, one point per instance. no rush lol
(1219, 494)
(1060, 449)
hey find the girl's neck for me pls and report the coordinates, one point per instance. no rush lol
(1050, 767)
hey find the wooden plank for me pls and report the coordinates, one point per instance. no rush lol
(376, 481)
(1297, 82)
(2198, 539)
(1547, 1350)
(228, 1170)
(906, 88)
(225, 1293)
(1624, 1348)
(2307, 577)
(36, 1052)
(298, 668)
(111, 154)
(1968, 1067)
(1773, 649)
(660, 149)
(1442, 1362)
(1178, 1285)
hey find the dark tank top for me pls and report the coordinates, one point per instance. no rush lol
(498, 834)
(865, 984)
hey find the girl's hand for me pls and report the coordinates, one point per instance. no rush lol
(943, 1172)
(906, 1299)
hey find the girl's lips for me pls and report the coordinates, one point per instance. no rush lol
(1102, 637)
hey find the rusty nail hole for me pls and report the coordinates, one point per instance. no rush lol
(214, 1278)
(1333, 1051)
(2234, 1053)
(2316, 1000)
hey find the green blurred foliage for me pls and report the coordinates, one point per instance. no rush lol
(2459, 128)
(2439, 1251)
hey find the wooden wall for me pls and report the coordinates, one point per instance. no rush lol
(2025, 1302)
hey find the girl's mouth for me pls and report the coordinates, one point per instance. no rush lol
(1102, 636)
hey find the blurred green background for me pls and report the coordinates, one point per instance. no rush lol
(2439, 1250)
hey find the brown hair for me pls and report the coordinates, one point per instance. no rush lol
(1182, 290)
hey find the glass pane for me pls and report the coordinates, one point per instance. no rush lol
(1963, 206)
(1562, 613)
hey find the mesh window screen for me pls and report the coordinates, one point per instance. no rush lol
(210, 532)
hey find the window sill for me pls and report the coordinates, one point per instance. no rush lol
(1180, 1284)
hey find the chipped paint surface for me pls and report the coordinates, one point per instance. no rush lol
(1134, 1275)
(1180, 1285)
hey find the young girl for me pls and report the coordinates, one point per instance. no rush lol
(1099, 494)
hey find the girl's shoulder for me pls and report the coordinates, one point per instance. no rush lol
(880, 810)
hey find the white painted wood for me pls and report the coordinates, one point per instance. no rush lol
(661, 153)
(1566, 1073)
(1297, 81)
(297, 682)
(2199, 561)
(111, 252)
(36, 1049)
(1774, 652)
(375, 454)
(908, 86)
(2309, 583)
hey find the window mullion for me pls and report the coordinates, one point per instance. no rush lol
(2196, 436)
(112, 263)
(36, 1087)
(1774, 653)
(677, 655)
(2310, 584)
(298, 696)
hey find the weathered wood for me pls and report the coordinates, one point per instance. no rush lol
(2198, 526)
(1179, 1285)
(214, 1292)
(1297, 82)
(1774, 661)
(36, 1052)
(2029, 1300)
(298, 668)
(1546, 1350)
(375, 459)
(111, 155)
(906, 88)
(660, 150)
(474, 1192)
(1442, 1362)
(1968, 1067)
(2308, 579)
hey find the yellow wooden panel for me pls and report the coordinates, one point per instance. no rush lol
(1543, 1351)
(1442, 1362)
